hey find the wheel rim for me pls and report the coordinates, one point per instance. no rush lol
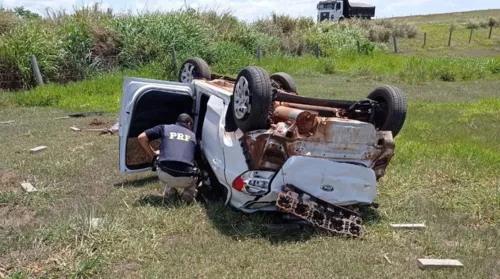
(188, 72)
(241, 98)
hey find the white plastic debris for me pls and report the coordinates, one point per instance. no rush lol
(28, 187)
(437, 263)
(96, 223)
(74, 129)
(38, 148)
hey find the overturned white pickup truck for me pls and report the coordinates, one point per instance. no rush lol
(268, 148)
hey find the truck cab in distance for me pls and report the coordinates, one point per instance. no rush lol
(338, 10)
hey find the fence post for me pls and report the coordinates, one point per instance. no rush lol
(449, 40)
(174, 60)
(395, 44)
(259, 53)
(425, 39)
(36, 70)
(316, 50)
(491, 31)
(470, 36)
(359, 47)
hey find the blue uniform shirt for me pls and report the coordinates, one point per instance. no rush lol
(178, 143)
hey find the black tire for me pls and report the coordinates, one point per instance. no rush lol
(392, 113)
(260, 99)
(284, 81)
(201, 70)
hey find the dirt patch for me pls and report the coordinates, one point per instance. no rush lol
(9, 181)
(125, 268)
(98, 122)
(15, 216)
(42, 260)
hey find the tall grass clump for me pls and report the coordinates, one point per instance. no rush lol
(289, 33)
(335, 39)
(32, 37)
(448, 69)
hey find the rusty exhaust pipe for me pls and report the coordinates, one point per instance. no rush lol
(290, 98)
(310, 107)
(305, 120)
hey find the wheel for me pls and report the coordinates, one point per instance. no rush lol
(284, 81)
(392, 112)
(194, 68)
(251, 101)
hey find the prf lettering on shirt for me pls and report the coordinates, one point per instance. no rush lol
(179, 136)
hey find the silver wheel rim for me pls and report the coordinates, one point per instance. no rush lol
(187, 75)
(241, 98)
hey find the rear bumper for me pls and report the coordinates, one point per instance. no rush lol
(333, 182)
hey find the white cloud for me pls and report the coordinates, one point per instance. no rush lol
(39, 6)
(249, 10)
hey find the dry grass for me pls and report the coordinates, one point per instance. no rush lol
(444, 174)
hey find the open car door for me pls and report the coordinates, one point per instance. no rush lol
(145, 104)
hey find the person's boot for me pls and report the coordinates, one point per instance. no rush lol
(189, 195)
(169, 193)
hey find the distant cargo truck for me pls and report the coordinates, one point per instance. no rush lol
(338, 10)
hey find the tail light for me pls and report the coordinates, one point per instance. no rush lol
(254, 182)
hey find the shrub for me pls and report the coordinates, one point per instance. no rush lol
(335, 38)
(492, 22)
(379, 33)
(483, 23)
(472, 24)
(7, 21)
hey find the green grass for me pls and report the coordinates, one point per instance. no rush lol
(447, 18)
(445, 173)
(437, 42)
(104, 91)
(91, 41)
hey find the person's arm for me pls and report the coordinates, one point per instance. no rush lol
(149, 135)
(144, 141)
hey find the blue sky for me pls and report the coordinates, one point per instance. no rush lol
(250, 10)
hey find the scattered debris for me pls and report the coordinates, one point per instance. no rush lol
(38, 148)
(96, 223)
(86, 114)
(74, 129)
(409, 226)
(111, 130)
(436, 263)
(7, 122)
(387, 259)
(59, 118)
(28, 187)
(115, 127)
(96, 130)
(97, 122)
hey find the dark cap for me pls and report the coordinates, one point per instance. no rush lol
(184, 119)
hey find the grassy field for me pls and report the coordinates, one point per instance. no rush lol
(445, 173)
(104, 91)
(447, 18)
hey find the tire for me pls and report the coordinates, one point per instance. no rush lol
(392, 113)
(284, 81)
(194, 68)
(252, 90)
